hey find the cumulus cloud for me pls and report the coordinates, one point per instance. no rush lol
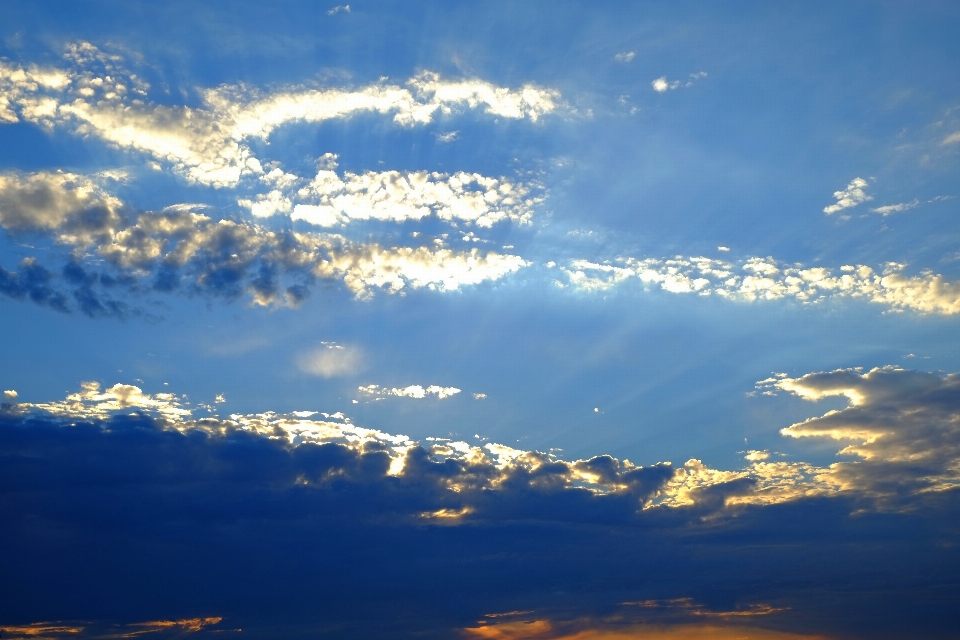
(178, 249)
(217, 505)
(330, 360)
(625, 56)
(337, 9)
(412, 391)
(331, 198)
(768, 279)
(75, 205)
(850, 197)
(96, 95)
(662, 85)
(904, 426)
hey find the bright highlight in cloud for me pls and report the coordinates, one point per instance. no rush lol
(767, 279)
(850, 197)
(413, 391)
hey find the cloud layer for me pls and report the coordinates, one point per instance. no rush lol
(768, 279)
(316, 511)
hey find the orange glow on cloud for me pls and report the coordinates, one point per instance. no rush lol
(543, 630)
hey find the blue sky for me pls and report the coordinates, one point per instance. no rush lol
(397, 277)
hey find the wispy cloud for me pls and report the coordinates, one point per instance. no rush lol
(625, 56)
(331, 360)
(896, 208)
(337, 9)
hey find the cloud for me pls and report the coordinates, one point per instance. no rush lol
(412, 391)
(767, 279)
(98, 96)
(952, 138)
(156, 510)
(449, 136)
(662, 85)
(179, 250)
(850, 197)
(331, 199)
(102, 631)
(903, 425)
(625, 56)
(337, 9)
(896, 208)
(330, 360)
(73, 204)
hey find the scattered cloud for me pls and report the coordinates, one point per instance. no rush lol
(661, 84)
(767, 279)
(337, 9)
(449, 136)
(412, 391)
(850, 197)
(625, 56)
(331, 360)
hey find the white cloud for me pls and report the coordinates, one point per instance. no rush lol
(331, 360)
(479, 396)
(853, 195)
(952, 138)
(332, 199)
(896, 208)
(337, 9)
(449, 136)
(625, 56)
(97, 96)
(767, 279)
(412, 391)
(10, 395)
(661, 84)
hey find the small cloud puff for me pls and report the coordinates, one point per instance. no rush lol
(661, 84)
(625, 56)
(850, 197)
(337, 9)
(331, 360)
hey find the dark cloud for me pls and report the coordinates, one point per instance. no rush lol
(125, 519)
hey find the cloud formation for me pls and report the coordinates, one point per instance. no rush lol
(904, 426)
(767, 279)
(97, 95)
(178, 249)
(850, 197)
(625, 56)
(662, 85)
(412, 391)
(896, 208)
(331, 199)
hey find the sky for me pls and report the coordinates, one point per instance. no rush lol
(510, 320)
